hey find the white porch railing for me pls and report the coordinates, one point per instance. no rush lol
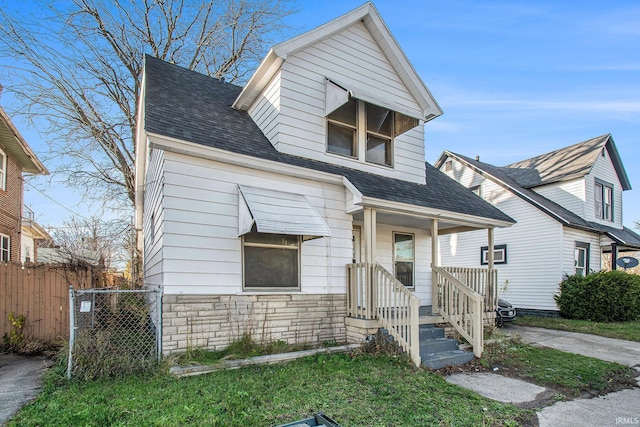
(460, 305)
(482, 280)
(374, 293)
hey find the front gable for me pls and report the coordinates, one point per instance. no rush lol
(288, 95)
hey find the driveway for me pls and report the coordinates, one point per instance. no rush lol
(609, 349)
(20, 382)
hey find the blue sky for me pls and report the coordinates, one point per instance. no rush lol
(515, 79)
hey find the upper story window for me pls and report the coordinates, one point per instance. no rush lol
(3, 170)
(604, 200)
(366, 131)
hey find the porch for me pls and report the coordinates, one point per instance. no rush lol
(461, 297)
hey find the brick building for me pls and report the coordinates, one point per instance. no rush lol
(16, 158)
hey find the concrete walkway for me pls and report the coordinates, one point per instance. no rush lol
(609, 349)
(20, 382)
(614, 409)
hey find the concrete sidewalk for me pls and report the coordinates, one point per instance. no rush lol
(614, 409)
(609, 349)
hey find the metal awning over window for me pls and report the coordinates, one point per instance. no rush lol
(278, 212)
(337, 94)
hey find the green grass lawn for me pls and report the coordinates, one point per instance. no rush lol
(570, 374)
(355, 391)
(622, 330)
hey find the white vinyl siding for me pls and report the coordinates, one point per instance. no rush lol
(571, 236)
(351, 55)
(153, 219)
(604, 172)
(265, 111)
(571, 195)
(202, 251)
(534, 242)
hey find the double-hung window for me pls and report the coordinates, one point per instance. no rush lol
(271, 261)
(366, 131)
(5, 248)
(3, 170)
(603, 200)
(581, 259)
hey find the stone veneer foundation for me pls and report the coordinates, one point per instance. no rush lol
(213, 321)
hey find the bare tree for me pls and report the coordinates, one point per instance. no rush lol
(78, 64)
(91, 241)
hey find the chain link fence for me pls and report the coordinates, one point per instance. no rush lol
(113, 332)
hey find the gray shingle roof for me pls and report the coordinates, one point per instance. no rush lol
(567, 163)
(505, 174)
(190, 106)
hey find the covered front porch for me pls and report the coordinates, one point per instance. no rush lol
(399, 293)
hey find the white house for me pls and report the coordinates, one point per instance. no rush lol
(268, 209)
(568, 208)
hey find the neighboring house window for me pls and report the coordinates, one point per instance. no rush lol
(581, 259)
(357, 119)
(448, 166)
(499, 254)
(404, 257)
(5, 248)
(3, 170)
(271, 261)
(476, 189)
(604, 200)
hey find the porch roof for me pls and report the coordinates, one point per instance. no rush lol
(189, 106)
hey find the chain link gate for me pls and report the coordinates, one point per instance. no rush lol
(113, 332)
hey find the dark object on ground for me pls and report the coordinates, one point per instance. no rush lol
(505, 312)
(318, 420)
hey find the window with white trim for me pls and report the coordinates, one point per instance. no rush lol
(499, 254)
(5, 248)
(404, 258)
(3, 170)
(581, 259)
(271, 261)
(358, 123)
(603, 200)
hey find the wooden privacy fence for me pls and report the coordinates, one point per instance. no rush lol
(41, 293)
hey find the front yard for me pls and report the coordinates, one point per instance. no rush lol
(355, 390)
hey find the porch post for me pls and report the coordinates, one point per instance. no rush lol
(435, 249)
(490, 248)
(370, 259)
(491, 297)
(614, 256)
(369, 235)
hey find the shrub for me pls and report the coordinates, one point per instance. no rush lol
(612, 296)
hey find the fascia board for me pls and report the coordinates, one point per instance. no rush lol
(35, 166)
(421, 211)
(210, 153)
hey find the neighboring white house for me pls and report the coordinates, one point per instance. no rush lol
(31, 233)
(568, 208)
(253, 202)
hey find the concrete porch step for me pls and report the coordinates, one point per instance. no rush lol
(437, 351)
(446, 358)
